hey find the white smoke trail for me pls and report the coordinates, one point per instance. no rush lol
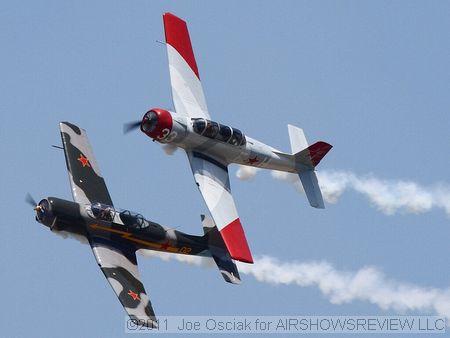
(169, 149)
(367, 284)
(389, 196)
(246, 173)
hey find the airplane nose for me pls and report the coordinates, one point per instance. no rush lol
(44, 213)
(149, 122)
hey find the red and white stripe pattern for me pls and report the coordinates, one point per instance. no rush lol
(214, 185)
(187, 91)
(189, 100)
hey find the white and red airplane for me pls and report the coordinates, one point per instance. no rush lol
(211, 146)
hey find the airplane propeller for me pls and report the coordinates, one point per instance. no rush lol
(30, 200)
(130, 126)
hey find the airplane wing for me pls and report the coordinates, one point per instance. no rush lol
(85, 178)
(213, 182)
(119, 265)
(187, 91)
(117, 261)
(219, 251)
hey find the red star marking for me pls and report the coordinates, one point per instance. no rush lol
(84, 161)
(165, 245)
(253, 160)
(133, 295)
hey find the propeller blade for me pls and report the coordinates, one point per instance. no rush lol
(30, 200)
(130, 126)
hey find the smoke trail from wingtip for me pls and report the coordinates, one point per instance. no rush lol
(389, 196)
(367, 284)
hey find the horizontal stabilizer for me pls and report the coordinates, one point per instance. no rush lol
(219, 252)
(306, 159)
(312, 189)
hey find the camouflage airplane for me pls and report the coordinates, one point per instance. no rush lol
(115, 234)
(211, 146)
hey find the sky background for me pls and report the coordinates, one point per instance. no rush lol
(372, 78)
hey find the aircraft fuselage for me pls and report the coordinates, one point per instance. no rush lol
(111, 224)
(183, 132)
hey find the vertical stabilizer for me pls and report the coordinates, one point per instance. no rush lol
(297, 139)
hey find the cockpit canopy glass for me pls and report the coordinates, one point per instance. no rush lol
(218, 132)
(212, 129)
(102, 212)
(224, 133)
(107, 213)
(133, 220)
(199, 125)
(237, 139)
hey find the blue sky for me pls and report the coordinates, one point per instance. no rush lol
(372, 78)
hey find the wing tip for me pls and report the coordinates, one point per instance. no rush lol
(177, 36)
(63, 124)
(234, 237)
(230, 277)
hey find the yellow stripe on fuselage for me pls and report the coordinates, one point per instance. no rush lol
(129, 236)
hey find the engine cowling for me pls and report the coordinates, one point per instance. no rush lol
(157, 123)
(59, 214)
(44, 213)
